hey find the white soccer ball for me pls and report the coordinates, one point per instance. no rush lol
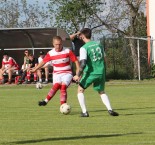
(39, 86)
(65, 109)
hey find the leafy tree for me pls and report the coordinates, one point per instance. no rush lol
(19, 13)
(117, 16)
(72, 15)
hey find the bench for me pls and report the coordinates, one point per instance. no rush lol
(15, 75)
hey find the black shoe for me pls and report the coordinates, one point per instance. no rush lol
(113, 113)
(85, 114)
(42, 103)
(27, 82)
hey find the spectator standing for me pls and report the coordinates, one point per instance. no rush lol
(77, 42)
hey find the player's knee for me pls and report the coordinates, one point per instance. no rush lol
(56, 86)
(80, 89)
(63, 89)
(101, 92)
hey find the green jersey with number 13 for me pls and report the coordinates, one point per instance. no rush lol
(94, 54)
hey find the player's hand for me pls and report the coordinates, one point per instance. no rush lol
(76, 78)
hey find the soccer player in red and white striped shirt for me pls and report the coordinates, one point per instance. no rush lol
(62, 74)
(9, 66)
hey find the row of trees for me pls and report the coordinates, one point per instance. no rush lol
(118, 17)
(19, 13)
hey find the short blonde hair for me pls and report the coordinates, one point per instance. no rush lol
(57, 38)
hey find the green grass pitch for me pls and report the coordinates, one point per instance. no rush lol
(23, 122)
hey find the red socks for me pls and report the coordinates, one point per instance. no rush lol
(63, 94)
(52, 92)
(29, 75)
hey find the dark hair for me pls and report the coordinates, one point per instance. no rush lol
(86, 32)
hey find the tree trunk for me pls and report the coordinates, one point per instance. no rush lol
(134, 56)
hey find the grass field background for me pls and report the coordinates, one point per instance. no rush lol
(22, 121)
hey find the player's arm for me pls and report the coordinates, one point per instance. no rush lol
(83, 59)
(42, 63)
(80, 70)
(82, 66)
(77, 66)
(37, 67)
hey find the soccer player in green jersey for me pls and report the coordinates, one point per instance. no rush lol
(92, 71)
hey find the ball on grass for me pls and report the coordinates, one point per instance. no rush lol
(65, 109)
(39, 86)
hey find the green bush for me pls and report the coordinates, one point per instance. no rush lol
(118, 74)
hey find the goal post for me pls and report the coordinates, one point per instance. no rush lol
(148, 39)
(150, 11)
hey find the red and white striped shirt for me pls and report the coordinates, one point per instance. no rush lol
(60, 60)
(11, 62)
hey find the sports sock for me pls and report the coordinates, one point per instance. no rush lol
(82, 102)
(106, 101)
(52, 92)
(40, 80)
(35, 76)
(28, 76)
(63, 94)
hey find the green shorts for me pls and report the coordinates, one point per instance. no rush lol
(97, 80)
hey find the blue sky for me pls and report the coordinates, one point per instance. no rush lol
(41, 2)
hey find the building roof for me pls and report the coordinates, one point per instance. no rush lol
(31, 37)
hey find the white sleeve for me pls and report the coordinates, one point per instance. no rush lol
(39, 59)
(83, 53)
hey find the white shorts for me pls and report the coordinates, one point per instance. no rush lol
(62, 78)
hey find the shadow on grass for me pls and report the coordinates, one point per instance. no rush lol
(138, 112)
(72, 138)
(138, 108)
(128, 114)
